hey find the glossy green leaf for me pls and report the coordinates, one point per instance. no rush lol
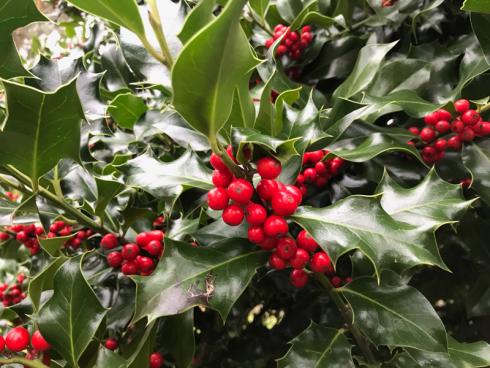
(395, 314)
(107, 358)
(15, 14)
(289, 9)
(213, 276)
(178, 334)
(432, 202)
(121, 12)
(408, 101)
(44, 281)
(368, 63)
(388, 243)
(260, 7)
(126, 109)
(476, 158)
(107, 189)
(41, 128)
(218, 231)
(170, 179)
(479, 6)
(480, 24)
(197, 19)
(53, 246)
(7, 209)
(476, 354)
(318, 346)
(203, 91)
(141, 343)
(244, 136)
(71, 317)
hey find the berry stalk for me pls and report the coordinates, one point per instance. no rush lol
(25, 362)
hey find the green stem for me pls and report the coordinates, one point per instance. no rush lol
(156, 24)
(57, 183)
(348, 316)
(152, 51)
(59, 202)
(484, 108)
(351, 28)
(221, 152)
(260, 21)
(25, 362)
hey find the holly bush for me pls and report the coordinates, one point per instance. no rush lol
(263, 183)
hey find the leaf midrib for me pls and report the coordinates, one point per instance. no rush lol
(35, 148)
(329, 346)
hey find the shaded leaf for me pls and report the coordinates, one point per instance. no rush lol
(476, 158)
(480, 6)
(178, 333)
(480, 24)
(44, 281)
(107, 358)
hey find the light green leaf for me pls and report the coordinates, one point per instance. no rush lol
(126, 109)
(197, 19)
(479, 6)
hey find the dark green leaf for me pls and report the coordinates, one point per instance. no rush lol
(107, 358)
(179, 338)
(126, 109)
(318, 346)
(44, 281)
(476, 158)
(53, 246)
(289, 9)
(213, 276)
(480, 24)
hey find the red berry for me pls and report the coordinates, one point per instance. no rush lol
(240, 191)
(38, 342)
(268, 243)
(154, 247)
(427, 134)
(4, 236)
(457, 126)
(306, 29)
(114, 259)
(470, 117)
(310, 175)
(129, 268)
(432, 118)
(462, 105)
(111, 344)
(284, 203)
(444, 115)
(156, 360)
(316, 156)
(109, 241)
(414, 130)
(306, 241)
(156, 235)
(256, 214)
(2, 343)
(145, 264)
(335, 165)
(300, 179)
(268, 168)
(256, 234)
(440, 144)
(298, 278)
(443, 126)
(467, 135)
(275, 226)
(222, 178)
(429, 151)
(320, 262)
(233, 215)
(286, 248)
(130, 251)
(21, 236)
(281, 50)
(486, 128)
(218, 199)
(142, 239)
(17, 339)
(336, 281)
(217, 162)
(269, 42)
(266, 189)
(295, 192)
(300, 259)
(277, 262)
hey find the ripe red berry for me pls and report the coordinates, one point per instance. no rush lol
(443, 126)
(336, 281)
(111, 344)
(295, 192)
(268, 243)
(298, 278)
(310, 175)
(218, 199)
(154, 248)
(240, 191)
(142, 239)
(256, 234)
(335, 165)
(4, 236)
(306, 241)
(21, 236)
(284, 203)
(266, 189)
(269, 42)
(440, 144)
(486, 128)
(281, 50)
(256, 214)
(17, 339)
(145, 264)
(233, 215)
(429, 151)
(414, 130)
(470, 117)
(268, 168)
(130, 251)
(156, 360)
(2, 343)
(286, 248)
(222, 178)
(300, 259)
(467, 135)
(129, 268)
(38, 342)
(277, 262)
(457, 126)
(444, 115)
(454, 143)
(320, 262)
(462, 105)
(217, 162)
(321, 168)
(114, 259)
(432, 118)
(427, 134)
(156, 235)
(275, 226)
(109, 241)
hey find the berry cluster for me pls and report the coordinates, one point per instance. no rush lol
(293, 43)
(13, 197)
(18, 339)
(158, 222)
(442, 131)
(60, 228)
(27, 235)
(156, 359)
(318, 171)
(134, 259)
(12, 294)
(387, 3)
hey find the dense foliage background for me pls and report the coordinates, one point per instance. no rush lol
(111, 111)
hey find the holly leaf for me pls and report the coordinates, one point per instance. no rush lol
(479, 6)
(318, 346)
(213, 276)
(53, 246)
(70, 319)
(7, 209)
(44, 281)
(178, 338)
(387, 242)
(203, 91)
(395, 314)
(15, 14)
(107, 358)
(41, 128)
(480, 23)
(476, 158)
(197, 19)
(164, 180)
(432, 203)
(126, 109)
